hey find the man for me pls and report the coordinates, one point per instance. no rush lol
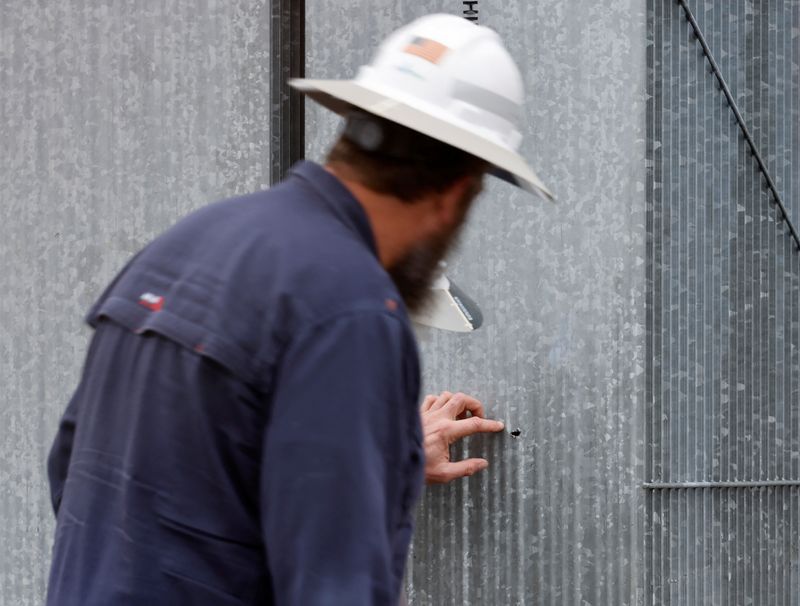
(245, 430)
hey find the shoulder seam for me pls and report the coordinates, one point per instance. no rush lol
(352, 311)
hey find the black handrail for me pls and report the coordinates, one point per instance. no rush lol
(732, 104)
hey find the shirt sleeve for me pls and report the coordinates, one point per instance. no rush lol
(61, 451)
(60, 454)
(333, 475)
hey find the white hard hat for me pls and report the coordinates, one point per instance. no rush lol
(447, 78)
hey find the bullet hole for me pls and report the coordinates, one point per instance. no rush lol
(515, 433)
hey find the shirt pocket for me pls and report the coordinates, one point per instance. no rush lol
(146, 299)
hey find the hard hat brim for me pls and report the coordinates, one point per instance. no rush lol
(340, 95)
(449, 308)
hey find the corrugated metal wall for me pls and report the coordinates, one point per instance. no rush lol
(555, 519)
(118, 118)
(723, 308)
(115, 119)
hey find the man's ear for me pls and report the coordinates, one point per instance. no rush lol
(450, 203)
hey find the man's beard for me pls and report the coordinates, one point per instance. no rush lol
(414, 273)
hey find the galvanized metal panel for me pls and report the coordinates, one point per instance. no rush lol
(112, 115)
(115, 119)
(719, 546)
(723, 307)
(555, 520)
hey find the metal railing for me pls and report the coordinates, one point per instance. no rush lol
(698, 33)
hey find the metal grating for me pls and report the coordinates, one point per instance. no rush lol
(727, 547)
(722, 424)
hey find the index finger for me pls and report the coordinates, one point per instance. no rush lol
(468, 427)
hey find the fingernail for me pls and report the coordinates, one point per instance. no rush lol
(502, 425)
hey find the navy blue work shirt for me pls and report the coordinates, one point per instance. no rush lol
(246, 428)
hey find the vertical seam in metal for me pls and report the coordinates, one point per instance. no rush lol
(287, 60)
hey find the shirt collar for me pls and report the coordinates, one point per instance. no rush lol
(338, 199)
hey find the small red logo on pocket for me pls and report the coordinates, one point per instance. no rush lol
(151, 301)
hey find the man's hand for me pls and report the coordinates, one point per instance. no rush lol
(444, 421)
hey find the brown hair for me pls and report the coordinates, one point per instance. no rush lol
(404, 163)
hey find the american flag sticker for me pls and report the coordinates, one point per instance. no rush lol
(151, 301)
(428, 49)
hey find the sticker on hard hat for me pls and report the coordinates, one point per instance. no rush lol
(427, 49)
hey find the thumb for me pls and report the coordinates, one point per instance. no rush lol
(462, 469)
